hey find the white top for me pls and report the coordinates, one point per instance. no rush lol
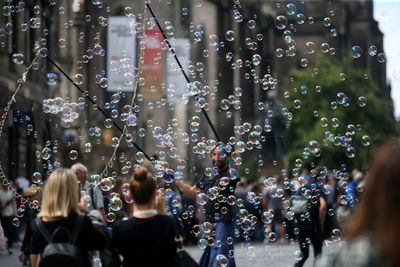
(7, 196)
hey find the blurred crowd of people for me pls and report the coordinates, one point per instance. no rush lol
(317, 205)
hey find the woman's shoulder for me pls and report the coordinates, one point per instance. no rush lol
(357, 253)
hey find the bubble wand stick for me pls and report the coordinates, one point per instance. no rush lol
(188, 80)
(182, 70)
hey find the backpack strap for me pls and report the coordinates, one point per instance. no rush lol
(43, 230)
(77, 227)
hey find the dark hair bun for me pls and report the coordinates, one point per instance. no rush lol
(140, 174)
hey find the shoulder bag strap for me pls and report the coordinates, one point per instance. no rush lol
(92, 196)
(77, 227)
(177, 233)
(43, 230)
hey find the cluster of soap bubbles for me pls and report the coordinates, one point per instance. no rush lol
(247, 136)
(65, 107)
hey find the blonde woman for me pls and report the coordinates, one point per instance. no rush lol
(60, 205)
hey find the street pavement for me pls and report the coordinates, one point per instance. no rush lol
(261, 255)
(258, 255)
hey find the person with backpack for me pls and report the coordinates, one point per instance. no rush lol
(309, 208)
(147, 238)
(61, 235)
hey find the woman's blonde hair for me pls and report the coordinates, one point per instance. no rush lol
(60, 196)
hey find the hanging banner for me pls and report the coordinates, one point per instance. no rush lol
(176, 82)
(121, 54)
(152, 67)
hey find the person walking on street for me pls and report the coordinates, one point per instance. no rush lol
(310, 208)
(8, 210)
(218, 188)
(34, 196)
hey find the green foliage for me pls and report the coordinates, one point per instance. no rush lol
(374, 120)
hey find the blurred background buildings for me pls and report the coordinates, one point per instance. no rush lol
(76, 36)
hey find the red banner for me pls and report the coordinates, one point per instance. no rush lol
(152, 67)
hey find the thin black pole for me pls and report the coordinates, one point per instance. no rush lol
(182, 70)
(98, 107)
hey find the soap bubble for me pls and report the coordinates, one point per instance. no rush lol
(46, 153)
(62, 43)
(230, 35)
(202, 243)
(108, 123)
(36, 177)
(18, 59)
(325, 48)
(15, 222)
(169, 175)
(256, 59)
(304, 62)
(281, 22)
(222, 260)
(78, 79)
(139, 157)
(51, 79)
(279, 52)
(201, 199)
(381, 57)
(362, 101)
(115, 98)
(365, 140)
(128, 11)
(88, 147)
(297, 104)
(327, 22)
(310, 47)
(73, 155)
(94, 178)
(103, 82)
(115, 204)
(114, 141)
(110, 217)
(350, 152)
(356, 51)
(298, 255)
(336, 235)
(372, 50)
(251, 24)
(290, 9)
(196, 229)
(300, 18)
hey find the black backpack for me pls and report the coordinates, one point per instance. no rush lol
(61, 254)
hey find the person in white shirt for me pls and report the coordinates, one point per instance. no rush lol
(8, 210)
